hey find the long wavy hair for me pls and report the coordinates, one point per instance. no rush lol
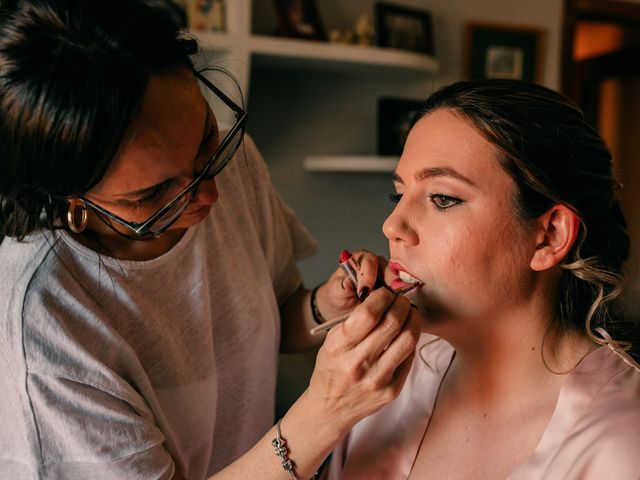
(554, 155)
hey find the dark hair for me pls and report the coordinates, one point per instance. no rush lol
(72, 76)
(555, 156)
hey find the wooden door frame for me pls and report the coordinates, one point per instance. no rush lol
(615, 11)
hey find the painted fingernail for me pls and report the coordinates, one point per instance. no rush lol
(364, 293)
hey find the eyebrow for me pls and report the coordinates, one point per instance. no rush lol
(149, 190)
(436, 172)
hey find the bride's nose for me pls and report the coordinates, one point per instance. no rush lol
(397, 227)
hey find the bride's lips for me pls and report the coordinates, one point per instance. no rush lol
(403, 277)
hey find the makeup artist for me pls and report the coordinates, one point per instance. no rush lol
(148, 269)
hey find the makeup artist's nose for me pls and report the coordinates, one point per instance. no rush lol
(207, 193)
(397, 228)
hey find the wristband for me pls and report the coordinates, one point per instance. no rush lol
(315, 311)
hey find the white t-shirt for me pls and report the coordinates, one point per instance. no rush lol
(593, 434)
(130, 370)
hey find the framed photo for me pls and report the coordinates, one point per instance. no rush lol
(394, 119)
(206, 15)
(499, 51)
(404, 28)
(300, 19)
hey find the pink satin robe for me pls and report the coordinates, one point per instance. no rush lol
(594, 432)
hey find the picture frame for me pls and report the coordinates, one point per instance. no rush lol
(394, 121)
(404, 28)
(504, 51)
(206, 15)
(299, 19)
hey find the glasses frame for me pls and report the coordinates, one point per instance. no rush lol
(142, 230)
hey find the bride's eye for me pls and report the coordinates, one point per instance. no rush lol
(443, 202)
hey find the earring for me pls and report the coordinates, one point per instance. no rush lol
(74, 205)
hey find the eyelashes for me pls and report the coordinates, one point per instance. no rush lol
(395, 197)
(440, 201)
(155, 195)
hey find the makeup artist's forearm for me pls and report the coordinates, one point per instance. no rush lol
(297, 321)
(310, 436)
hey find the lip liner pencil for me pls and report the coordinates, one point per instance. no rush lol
(329, 324)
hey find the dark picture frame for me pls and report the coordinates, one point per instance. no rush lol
(504, 51)
(394, 120)
(404, 28)
(299, 19)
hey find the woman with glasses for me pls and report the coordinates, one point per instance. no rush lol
(148, 269)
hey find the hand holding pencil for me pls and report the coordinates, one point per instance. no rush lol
(351, 268)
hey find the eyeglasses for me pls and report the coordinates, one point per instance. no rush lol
(172, 210)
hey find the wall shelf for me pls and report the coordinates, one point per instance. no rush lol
(240, 48)
(305, 52)
(350, 163)
(294, 53)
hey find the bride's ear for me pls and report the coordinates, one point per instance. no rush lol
(556, 233)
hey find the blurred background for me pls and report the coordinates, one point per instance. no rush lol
(330, 85)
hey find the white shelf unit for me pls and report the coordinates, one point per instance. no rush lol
(239, 49)
(243, 50)
(344, 56)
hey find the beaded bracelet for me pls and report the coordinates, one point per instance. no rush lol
(281, 450)
(317, 316)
